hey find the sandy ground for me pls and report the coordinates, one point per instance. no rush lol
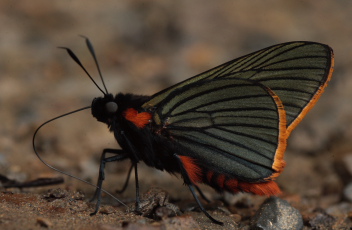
(143, 47)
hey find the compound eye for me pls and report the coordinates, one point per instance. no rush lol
(111, 107)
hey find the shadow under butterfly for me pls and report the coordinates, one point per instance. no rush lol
(226, 127)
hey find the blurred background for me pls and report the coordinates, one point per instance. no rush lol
(144, 46)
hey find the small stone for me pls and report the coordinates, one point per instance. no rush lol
(107, 210)
(169, 210)
(55, 194)
(276, 213)
(155, 204)
(78, 196)
(44, 222)
(322, 220)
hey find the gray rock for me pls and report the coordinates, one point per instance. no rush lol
(276, 214)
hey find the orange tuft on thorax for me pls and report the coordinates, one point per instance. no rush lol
(139, 119)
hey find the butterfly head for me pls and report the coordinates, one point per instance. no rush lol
(104, 108)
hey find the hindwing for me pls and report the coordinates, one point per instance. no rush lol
(233, 126)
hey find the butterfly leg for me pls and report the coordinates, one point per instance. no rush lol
(137, 188)
(191, 186)
(202, 194)
(123, 189)
(120, 155)
(134, 165)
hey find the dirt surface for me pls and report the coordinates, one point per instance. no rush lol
(143, 47)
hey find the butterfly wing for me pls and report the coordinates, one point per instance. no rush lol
(235, 127)
(297, 72)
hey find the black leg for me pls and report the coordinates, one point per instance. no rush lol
(135, 172)
(121, 155)
(137, 188)
(202, 194)
(191, 187)
(126, 181)
(188, 181)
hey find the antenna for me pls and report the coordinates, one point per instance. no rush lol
(75, 58)
(92, 52)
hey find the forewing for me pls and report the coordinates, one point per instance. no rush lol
(297, 72)
(234, 126)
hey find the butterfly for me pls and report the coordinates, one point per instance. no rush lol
(226, 127)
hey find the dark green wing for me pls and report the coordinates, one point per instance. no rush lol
(297, 72)
(233, 126)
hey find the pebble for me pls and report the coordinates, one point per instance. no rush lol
(56, 194)
(43, 222)
(275, 214)
(321, 220)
